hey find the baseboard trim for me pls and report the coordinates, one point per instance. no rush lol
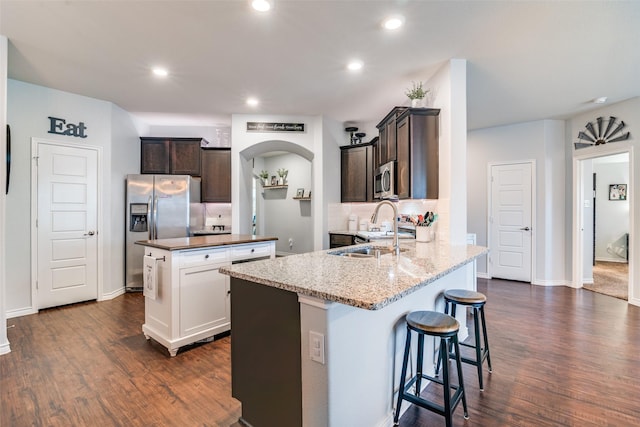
(20, 312)
(4, 348)
(112, 294)
(553, 283)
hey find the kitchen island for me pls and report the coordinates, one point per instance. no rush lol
(186, 298)
(318, 337)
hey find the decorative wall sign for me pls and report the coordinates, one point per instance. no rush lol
(604, 131)
(274, 127)
(61, 127)
(618, 192)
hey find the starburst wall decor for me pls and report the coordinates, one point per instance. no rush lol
(602, 132)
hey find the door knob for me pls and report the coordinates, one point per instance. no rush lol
(525, 229)
(90, 233)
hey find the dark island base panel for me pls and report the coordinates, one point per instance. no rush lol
(266, 369)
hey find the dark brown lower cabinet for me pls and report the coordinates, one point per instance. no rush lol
(337, 240)
(266, 364)
(216, 175)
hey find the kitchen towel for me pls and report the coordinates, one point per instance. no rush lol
(150, 277)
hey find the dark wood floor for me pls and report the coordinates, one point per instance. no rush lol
(561, 357)
(90, 365)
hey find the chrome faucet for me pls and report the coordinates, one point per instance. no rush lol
(374, 219)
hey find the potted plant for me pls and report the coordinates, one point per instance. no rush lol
(282, 173)
(416, 94)
(264, 176)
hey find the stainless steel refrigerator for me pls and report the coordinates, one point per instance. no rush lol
(158, 207)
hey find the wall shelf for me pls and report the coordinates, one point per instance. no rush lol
(302, 198)
(274, 187)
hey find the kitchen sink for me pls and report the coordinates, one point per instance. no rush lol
(366, 252)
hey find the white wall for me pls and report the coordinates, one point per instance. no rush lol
(125, 159)
(4, 47)
(449, 94)
(612, 216)
(330, 179)
(587, 207)
(319, 144)
(109, 127)
(542, 141)
(283, 216)
(627, 111)
(217, 136)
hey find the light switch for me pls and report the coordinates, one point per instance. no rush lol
(587, 203)
(316, 346)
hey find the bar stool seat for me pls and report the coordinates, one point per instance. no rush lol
(477, 301)
(445, 327)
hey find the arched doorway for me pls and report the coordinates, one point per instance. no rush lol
(275, 210)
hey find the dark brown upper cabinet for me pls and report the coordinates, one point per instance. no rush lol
(155, 156)
(387, 147)
(417, 138)
(216, 175)
(357, 173)
(179, 156)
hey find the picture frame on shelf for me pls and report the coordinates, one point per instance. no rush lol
(274, 180)
(618, 192)
(300, 192)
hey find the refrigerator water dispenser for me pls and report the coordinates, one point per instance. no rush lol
(138, 220)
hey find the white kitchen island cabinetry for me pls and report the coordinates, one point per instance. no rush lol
(192, 301)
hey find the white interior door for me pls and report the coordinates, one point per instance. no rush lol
(66, 224)
(510, 221)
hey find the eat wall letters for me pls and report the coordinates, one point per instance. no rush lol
(61, 127)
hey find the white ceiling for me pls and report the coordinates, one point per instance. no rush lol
(526, 60)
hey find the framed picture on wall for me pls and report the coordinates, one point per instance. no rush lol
(618, 192)
(300, 192)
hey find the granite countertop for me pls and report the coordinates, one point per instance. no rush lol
(369, 283)
(181, 243)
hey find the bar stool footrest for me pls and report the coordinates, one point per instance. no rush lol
(467, 360)
(417, 400)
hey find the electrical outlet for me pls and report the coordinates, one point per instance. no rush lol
(316, 347)
(290, 242)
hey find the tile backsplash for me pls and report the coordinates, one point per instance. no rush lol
(338, 213)
(218, 213)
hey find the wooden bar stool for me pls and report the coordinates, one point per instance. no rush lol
(476, 301)
(445, 327)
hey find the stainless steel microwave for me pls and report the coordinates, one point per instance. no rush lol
(384, 181)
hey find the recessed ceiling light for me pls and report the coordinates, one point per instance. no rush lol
(253, 102)
(600, 100)
(355, 65)
(160, 72)
(262, 5)
(393, 22)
